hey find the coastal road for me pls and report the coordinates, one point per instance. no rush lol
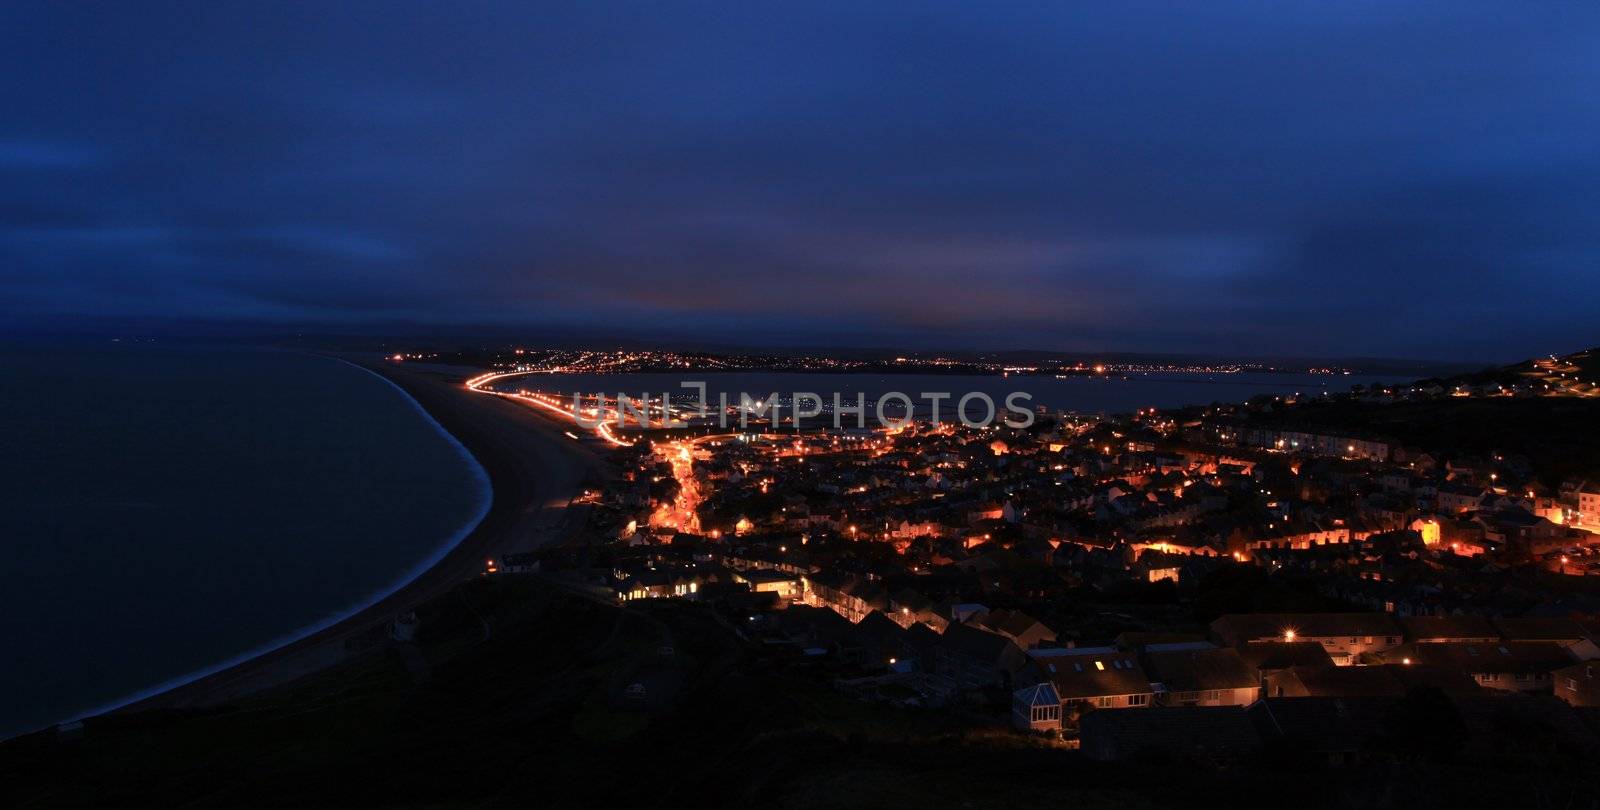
(535, 471)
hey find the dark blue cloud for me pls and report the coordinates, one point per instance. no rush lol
(24, 155)
(1376, 178)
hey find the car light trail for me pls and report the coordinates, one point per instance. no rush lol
(545, 401)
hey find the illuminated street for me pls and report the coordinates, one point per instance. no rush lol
(605, 430)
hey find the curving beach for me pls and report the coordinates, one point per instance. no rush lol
(534, 471)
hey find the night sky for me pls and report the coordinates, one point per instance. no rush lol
(1373, 178)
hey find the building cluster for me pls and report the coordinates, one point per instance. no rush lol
(632, 361)
(1060, 576)
(1576, 375)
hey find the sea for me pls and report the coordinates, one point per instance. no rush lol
(166, 511)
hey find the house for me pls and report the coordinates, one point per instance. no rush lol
(851, 597)
(1454, 499)
(1345, 636)
(1435, 629)
(1588, 497)
(1516, 666)
(1136, 640)
(1199, 677)
(812, 626)
(1021, 628)
(1578, 684)
(976, 658)
(1095, 678)
(1269, 657)
(658, 585)
(1391, 680)
(908, 606)
(966, 611)
(879, 641)
(520, 563)
(766, 580)
(1566, 632)
(1215, 734)
(1036, 708)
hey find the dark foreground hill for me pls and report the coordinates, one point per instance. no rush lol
(519, 693)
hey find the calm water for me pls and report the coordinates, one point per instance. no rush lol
(1110, 394)
(163, 511)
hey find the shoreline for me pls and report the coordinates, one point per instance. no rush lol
(532, 470)
(485, 497)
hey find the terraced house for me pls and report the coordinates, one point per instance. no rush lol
(1345, 636)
